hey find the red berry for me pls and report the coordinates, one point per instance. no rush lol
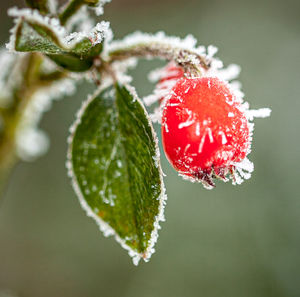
(204, 129)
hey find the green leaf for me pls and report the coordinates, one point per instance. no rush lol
(32, 36)
(41, 5)
(114, 163)
(73, 6)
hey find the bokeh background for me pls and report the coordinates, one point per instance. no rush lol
(241, 241)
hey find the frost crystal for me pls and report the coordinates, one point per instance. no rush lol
(99, 8)
(33, 15)
(258, 113)
(31, 143)
(52, 5)
(187, 43)
(163, 90)
(7, 61)
(97, 34)
(103, 226)
(81, 21)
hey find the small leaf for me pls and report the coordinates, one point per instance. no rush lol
(73, 6)
(75, 52)
(114, 163)
(41, 5)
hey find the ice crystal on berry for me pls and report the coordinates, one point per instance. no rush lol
(206, 124)
(201, 141)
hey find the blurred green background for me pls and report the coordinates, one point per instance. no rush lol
(241, 241)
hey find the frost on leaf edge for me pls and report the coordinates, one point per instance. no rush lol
(67, 41)
(105, 228)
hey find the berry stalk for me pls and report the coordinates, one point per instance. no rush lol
(189, 60)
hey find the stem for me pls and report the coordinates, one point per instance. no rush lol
(23, 92)
(189, 60)
(72, 7)
(69, 10)
(103, 67)
(41, 5)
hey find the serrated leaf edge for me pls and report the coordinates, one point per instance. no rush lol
(103, 226)
(96, 35)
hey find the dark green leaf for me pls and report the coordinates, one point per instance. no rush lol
(32, 36)
(114, 162)
(41, 5)
(73, 6)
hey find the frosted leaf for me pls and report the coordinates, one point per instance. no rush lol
(35, 16)
(48, 66)
(95, 154)
(96, 35)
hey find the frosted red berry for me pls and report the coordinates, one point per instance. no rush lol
(204, 130)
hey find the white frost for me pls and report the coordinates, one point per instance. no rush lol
(258, 113)
(187, 43)
(103, 226)
(97, 34)
(7, 62)
(229, 75)
(190, 121)
(31, 143)
(52, 5)
(81, 21)
(99, 8)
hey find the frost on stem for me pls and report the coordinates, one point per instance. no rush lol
(52, 5)
(8, 61)
(183, 51)
(99, 8)
(74, 8)
(31, 142)
(81, 21)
